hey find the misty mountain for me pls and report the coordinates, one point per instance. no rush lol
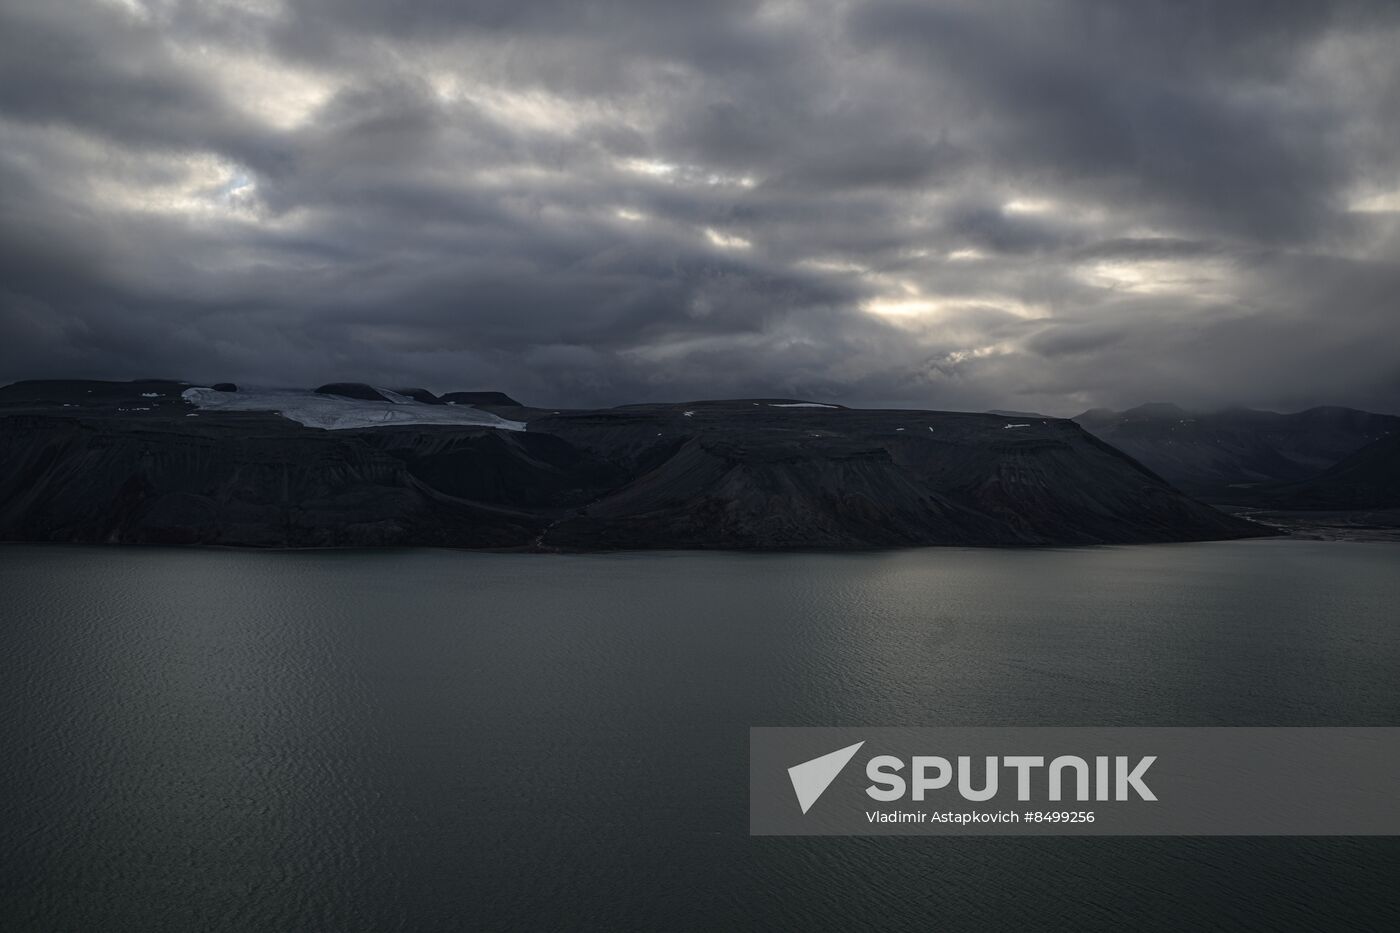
(161, 462)
(1368, 479)
(1220, 455)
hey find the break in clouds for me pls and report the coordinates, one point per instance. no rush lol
(1021, 204)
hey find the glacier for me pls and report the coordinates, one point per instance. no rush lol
(337, 413)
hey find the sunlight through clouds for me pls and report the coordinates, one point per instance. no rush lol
(726, 240)
(200, 186)
(545, 191)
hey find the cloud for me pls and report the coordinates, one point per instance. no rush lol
(1010, 203)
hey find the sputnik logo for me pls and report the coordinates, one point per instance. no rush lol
(811, 778)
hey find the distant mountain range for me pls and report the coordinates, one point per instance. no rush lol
(1367, 479)
(1245, 456)
(351, 464)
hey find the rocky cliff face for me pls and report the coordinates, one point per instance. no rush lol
(138, 463)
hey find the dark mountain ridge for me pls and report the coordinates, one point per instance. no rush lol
(1367, 479)
(1221, 456)
(151, 462)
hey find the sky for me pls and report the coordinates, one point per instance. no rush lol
(971, 204)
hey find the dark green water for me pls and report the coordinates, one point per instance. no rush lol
(432, 740)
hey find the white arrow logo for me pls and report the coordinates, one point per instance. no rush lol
(811, 778)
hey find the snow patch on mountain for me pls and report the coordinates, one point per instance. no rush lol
(336, 413)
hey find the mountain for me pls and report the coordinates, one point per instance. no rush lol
(1368, 479)
(359, 390)
(164, 462)
(1012, 413)
(481, 399)
(1220, 455)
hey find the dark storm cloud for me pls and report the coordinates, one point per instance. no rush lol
(1013, 203)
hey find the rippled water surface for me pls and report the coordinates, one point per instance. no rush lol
(425, 740)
